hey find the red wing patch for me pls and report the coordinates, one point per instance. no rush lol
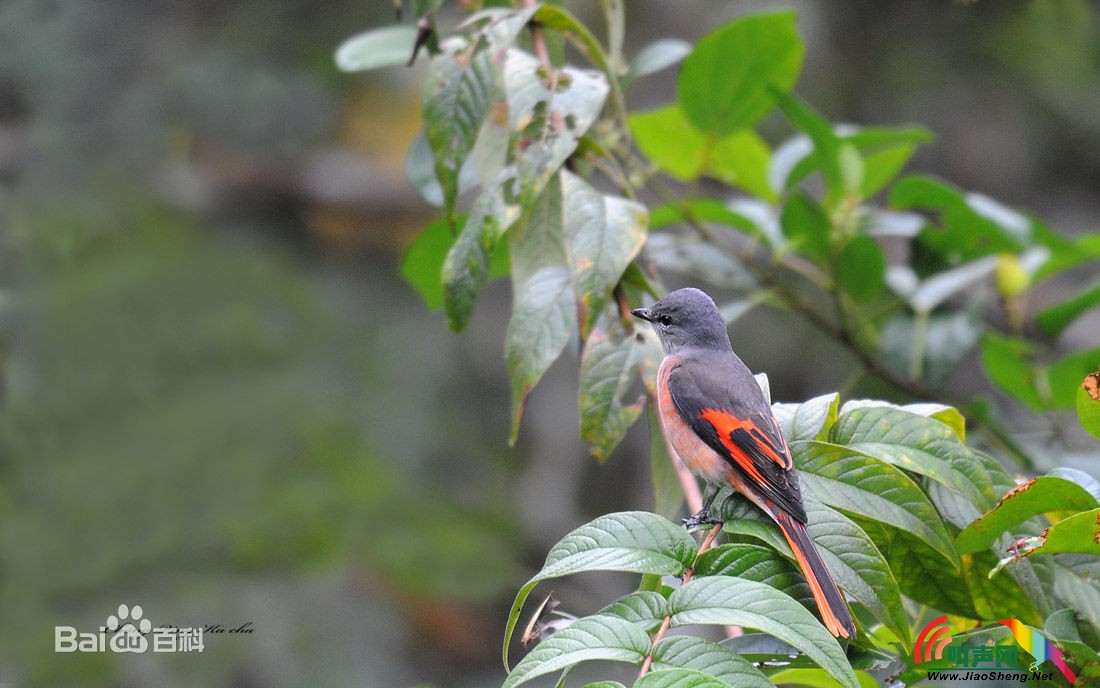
(729, 427)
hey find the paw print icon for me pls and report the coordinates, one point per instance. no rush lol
(129, 629)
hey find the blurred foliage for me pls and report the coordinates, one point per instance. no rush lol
(193, 409)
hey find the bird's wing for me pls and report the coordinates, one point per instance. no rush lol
(720, 400)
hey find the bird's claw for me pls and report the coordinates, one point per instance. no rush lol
(699, 520)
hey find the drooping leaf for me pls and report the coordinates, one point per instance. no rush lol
(1030, 498)
(603, 234)
(728, 82)
(537, 240)
(610, 365)
(544, 319)
(688, 652)
(461, 87)
(551, 121)
(600, 637)
(385, 47)
(633, 541)
(422, 264)
(737, 602)
(466, 268)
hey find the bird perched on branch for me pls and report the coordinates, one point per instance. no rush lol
(720, 426)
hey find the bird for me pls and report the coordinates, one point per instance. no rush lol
(720, 426)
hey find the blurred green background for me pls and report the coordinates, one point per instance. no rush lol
(220, 402)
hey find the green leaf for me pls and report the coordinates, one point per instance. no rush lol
(1057, 318)
(667, 138)
(656, 56)
(1005, 362)
(918, 444)
(422, 264)
(592, 638)
(737, 602)
(1030, 498)
(1079, 533)
(726, 83)
(466, 268)
(551, 121)
(537, 240)
(609, 368)
(1075, 584)
(827, 146)
(1064, 376)
(948, 415)
(807, 227)
(558, 19)
(544, 319)
(880, 168)
(702, 210)
(376, 48)
(688, 652)
(645, 608)
(632, 541)
(420, 171)
(742, 160)
(1088, 405)
(809, 420)
(604, 684)
(969, 228)
(757, 563)
(855, 483)
(679, 678)
(860, 268)
(1062, 627)
(459, 92)
(850, 555)
(683, 152)
(816, 678)
(603, 234)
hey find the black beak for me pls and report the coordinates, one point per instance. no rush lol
(642, 313)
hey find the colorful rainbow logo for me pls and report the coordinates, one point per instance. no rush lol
(931, 640)
(1038, 647)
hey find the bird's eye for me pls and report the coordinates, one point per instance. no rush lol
(664, 320)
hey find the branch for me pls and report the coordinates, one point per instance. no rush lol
(660, 635)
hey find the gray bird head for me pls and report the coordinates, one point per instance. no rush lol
(687, 318)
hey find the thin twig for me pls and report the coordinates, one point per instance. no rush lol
(667, 622)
